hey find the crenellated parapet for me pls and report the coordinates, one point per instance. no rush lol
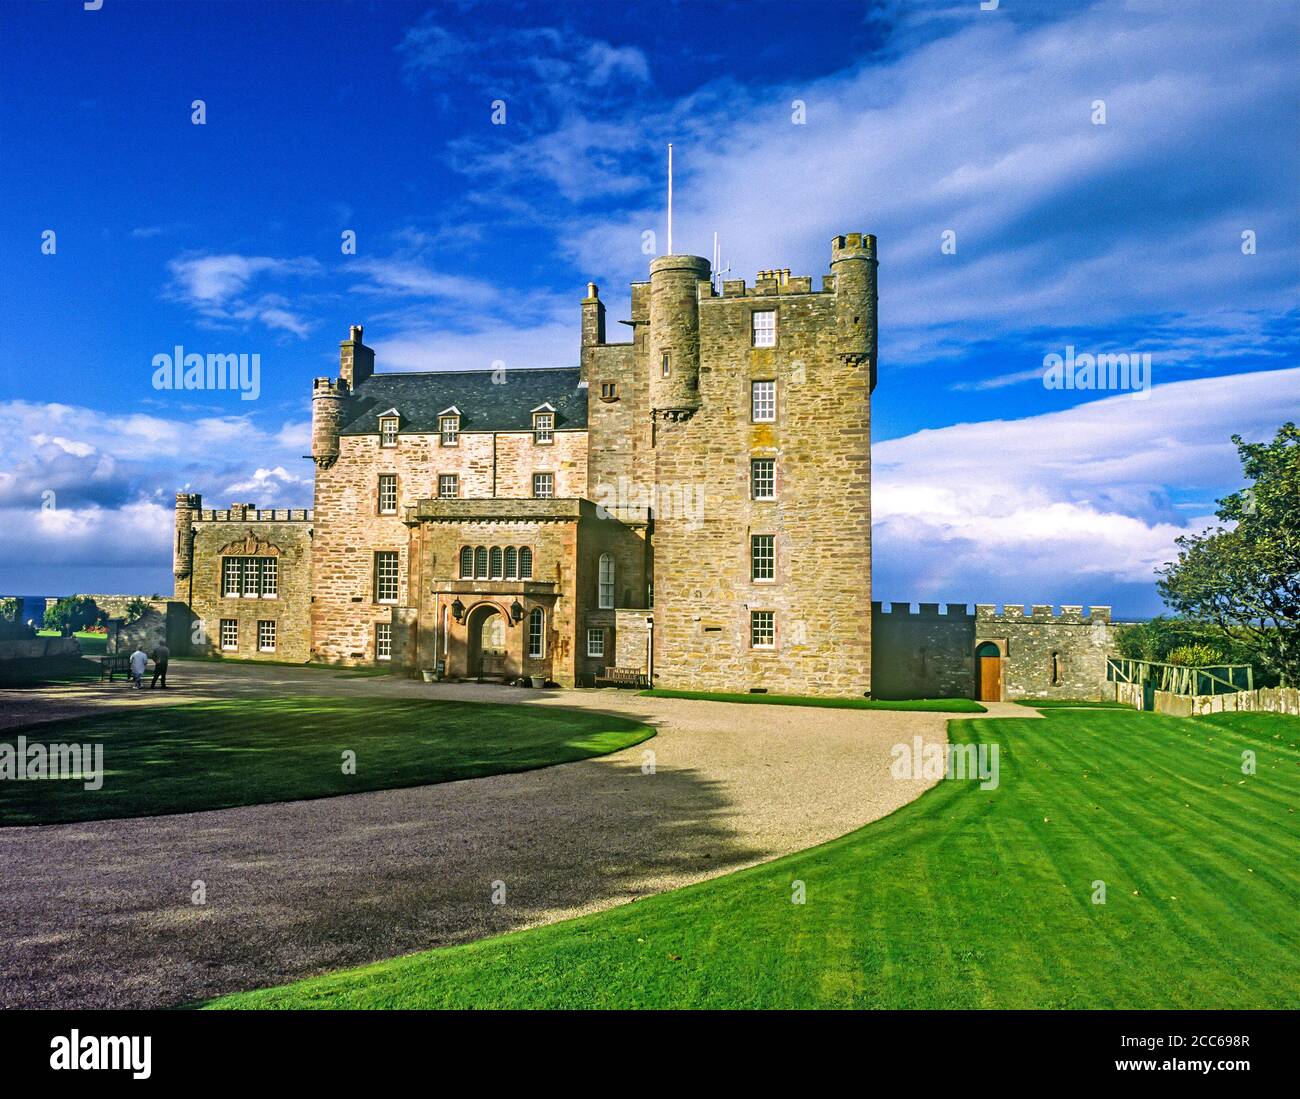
(1070, 614)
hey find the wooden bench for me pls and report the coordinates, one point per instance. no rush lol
(621, 677)
(109, 666)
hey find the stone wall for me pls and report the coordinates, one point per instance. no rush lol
(820, 519)
(241, 533)
(924, 653)
(1275, 700)
(566, 537)
(632, 630)
(166, 621)
(35, 648)
(928, 654)
(350, 529)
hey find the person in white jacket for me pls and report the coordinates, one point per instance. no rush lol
(138, 664)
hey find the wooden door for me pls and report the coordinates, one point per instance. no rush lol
(990, 678)
(492, 646)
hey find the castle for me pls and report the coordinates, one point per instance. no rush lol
(692, 506)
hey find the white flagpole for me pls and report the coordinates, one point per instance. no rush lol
(670, 198)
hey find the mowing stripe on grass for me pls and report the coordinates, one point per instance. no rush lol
(963, 898)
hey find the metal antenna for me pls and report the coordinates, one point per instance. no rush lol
(719, 272)
(670, 198)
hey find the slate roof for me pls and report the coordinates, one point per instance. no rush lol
(484, 406)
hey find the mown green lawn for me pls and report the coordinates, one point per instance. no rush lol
(933, 705)
(963, 899)
(1070, 704)
(214, 755)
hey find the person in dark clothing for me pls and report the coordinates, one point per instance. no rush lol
(160, 657)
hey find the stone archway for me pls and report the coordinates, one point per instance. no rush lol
(486, 642)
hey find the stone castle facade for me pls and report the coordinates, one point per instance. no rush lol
(692, 505)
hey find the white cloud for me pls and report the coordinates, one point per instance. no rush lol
(215, 287)
(1078, 497)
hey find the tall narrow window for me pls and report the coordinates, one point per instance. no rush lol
(762, 557)
(605, 584)
(762, 478)
(543, 427)
(266, 636)
(268, 577)
(481, 563)
(386, 577)
(764, 327)
(449, 430)
(762, 629)
(387, 493)
(525, 563)
(230, 576)
(448, 486)
(252, 577)
(229, 634)
(466, 563)
(383, 641)
(536, 633)
(388, 431)
(543, 485)
(512, 563)
(664, 365)
(764, 402)
(494, 556)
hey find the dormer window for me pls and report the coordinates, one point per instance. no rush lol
(387, 430)
(544, 425)
(449, 426)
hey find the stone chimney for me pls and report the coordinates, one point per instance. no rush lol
(356, 360)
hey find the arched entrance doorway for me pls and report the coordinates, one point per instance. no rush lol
(487, 643)
(988, 672)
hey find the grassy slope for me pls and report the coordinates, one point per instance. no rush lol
(933, 705)
(214, 755)
(964, 898)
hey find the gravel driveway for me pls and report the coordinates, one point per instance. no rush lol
(101, 914)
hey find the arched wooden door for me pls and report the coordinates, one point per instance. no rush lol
(487, 644)
(988, 673)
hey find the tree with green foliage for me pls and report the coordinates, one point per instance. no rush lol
(1156, 639)
(72, 613)
(1195, 656)
(1243, 576)
(136, 609)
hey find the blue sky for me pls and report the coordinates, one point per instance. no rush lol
(475, 242)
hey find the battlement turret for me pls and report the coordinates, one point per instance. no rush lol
(674, 341)
(188, 505)
(853, 263)
(328, 398)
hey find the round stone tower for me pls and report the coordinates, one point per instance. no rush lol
(674, 341)
(188, 505)
(853, 262)
(327, 401)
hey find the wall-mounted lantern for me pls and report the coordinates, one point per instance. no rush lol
(516, 612)
(458, 610)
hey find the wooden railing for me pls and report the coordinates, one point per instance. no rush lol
(1178, 679)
